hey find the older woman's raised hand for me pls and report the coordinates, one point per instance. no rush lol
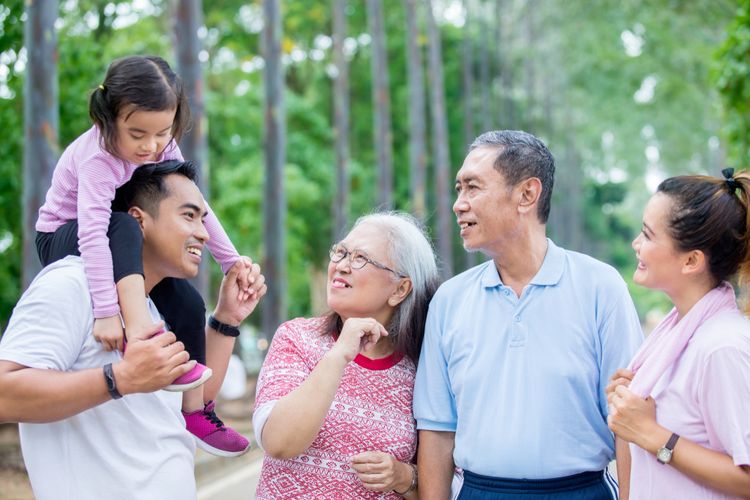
(357, 335)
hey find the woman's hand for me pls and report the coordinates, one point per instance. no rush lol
(380, 471)
(623, 377)
(631, 417)
(357, 335)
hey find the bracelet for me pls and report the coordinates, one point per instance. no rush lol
(413, 485)
(223, 328)
(109, 377)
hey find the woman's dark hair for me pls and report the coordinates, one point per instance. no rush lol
(411, 253)
(138, 83)
(711, 215)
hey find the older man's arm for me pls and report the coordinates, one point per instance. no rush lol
(435, 464)
(45, 395)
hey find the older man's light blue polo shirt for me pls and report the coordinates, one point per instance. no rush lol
(521, 380)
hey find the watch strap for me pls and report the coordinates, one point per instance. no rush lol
(672, 441)
(664, 454)
(109, 377)
(223, 328)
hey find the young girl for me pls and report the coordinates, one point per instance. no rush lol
(139, 114)
(684, 402)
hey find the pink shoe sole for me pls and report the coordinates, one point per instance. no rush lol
(192, 379)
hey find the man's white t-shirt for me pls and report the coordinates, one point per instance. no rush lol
(135, 447)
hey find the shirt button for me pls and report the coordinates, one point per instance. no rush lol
(518, 319)
(506, 292)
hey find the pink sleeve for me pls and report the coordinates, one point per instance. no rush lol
(219, 243)
(725, 401)
(96, 190)
(285, 367)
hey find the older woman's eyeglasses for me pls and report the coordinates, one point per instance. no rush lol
(357, 260)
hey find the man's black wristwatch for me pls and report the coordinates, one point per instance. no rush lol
(223, 328)
(109, 377)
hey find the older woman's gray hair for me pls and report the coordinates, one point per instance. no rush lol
(410, 251)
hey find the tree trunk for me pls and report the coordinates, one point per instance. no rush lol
(485, 68)
(467, 70)
(382, 104)
(505, 118)
(529, 65)
(188, 20)
(274, 142)
(417, 126)
(440, 146)
(341, 121)
(41, 117)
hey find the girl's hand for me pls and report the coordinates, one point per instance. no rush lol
(245, 278)
(357, 335)
(109, 332)
(380, 471)
(631, 417)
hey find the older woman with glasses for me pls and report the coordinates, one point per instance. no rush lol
(334, 400)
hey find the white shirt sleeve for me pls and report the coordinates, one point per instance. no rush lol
(260, 417)
(51, 321)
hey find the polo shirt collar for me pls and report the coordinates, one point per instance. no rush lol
(549, 274)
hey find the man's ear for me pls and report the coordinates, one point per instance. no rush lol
(401, 292)
(139, 215)
(528, 192)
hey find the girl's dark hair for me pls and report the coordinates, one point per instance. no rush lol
(411, 252)
(140, 83)
(711, 215)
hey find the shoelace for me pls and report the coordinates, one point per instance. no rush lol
(213, 418)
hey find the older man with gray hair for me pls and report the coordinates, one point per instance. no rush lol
(518, 350)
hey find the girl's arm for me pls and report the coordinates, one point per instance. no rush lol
(97, 183)
(219, 244)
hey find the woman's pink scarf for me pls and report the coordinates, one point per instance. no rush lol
(665, 344)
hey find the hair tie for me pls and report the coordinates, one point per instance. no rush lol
(731, 182)
(101, 87)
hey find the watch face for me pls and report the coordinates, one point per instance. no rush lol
(664, 455)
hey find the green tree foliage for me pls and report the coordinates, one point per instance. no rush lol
(11, 154)
(733, 82)
(591, 59)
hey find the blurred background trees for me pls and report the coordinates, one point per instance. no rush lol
(624, 93)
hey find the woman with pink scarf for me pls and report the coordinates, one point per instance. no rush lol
(683, 404)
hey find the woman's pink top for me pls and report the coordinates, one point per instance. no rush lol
(703, 397)
(83, 187)
(371, 411)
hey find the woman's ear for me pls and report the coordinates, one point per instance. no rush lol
(694, 263)
(401, 292)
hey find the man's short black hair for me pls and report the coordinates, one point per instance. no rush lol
(146, 188)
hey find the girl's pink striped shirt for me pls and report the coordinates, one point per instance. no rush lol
(83, 187)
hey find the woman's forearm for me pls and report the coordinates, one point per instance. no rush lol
(711, 468)
(297, 417)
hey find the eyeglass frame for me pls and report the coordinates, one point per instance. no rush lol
(349, 254)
